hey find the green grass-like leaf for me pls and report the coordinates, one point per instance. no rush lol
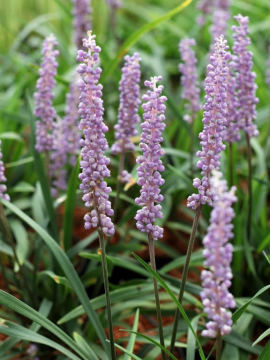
(179, 306)
(22, 333)
(67, 268)
(132, 339)
(261, 337)
(156, 343)
(132, 356)
(237, 314)
(265, 355)
(139, 33)
(21, 308)
(191, 343)
(118, 295)
(44, 310)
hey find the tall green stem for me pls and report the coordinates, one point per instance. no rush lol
(107, 291)
(249, 218)
(185, 273)
(120, 170)
(219, 347)
(153, 266)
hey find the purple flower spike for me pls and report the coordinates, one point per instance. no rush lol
(71, 122)
(216, 281)
(150, 164)
(129, 102)
(189, 80)
(82, 20)
(221, 16)
(214, 121)
(44, 96)
(66, 142)
(206, 8)
(94, 163)
(58, 158)
(114, 3)
(245, 78)
(232, 131)
(3, 179)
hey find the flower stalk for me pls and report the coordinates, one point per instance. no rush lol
(214, 120)
(249, 215)
(150, 180)
(159, 317)
(94, 163)
(102, 245)
(219, 347)
(246, 93)
(185, 273)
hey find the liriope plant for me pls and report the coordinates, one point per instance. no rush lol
(73, 276)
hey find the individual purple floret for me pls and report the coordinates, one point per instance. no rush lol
(221, 15)
(206, 8)
(214, 121)
(268, 68)
(217, 252)
(245, 78)
(189, 80)
(125, 176)
(44, 109)
(150, 164)
(114, 3)
(94, 163)
(128, 117)
(3, 187)
(81, 20)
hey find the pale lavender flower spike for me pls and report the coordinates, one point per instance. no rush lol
(189, 80)
(66, 141)
(58, 158)
(217, 252)
(221, 15)
(94, 163)
(214, 122)
(232, 131)
(71, 122)
(128, 117)
(81, 20)
(206, 8)
(3, 187)
(245, 78)
(150, 164)
(44, 109)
